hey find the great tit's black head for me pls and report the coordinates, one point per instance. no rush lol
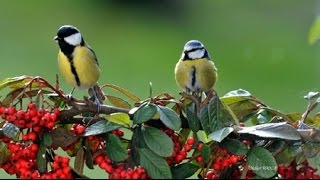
(194, 49)
(70, 35)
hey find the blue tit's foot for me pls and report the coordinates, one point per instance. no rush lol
(209, 94)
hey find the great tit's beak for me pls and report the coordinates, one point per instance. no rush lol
(56, 38)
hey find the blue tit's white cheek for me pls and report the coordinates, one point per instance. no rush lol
(196, 54)
(74, 39)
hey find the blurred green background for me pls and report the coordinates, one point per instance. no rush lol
(259, 46)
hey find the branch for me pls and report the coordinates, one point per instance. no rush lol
(79, 108)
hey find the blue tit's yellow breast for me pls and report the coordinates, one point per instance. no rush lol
(196, 75)
(86, 69)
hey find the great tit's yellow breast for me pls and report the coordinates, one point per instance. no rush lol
(86, 66)
(65, 69)
(196, 75)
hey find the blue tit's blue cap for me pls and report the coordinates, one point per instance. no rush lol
(192, 44)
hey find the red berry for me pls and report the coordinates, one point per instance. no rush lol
(53, 117)
(2, 109)
(80, 129)
(199, 159)
(32, 136)
(25, 137)
(65, 161)
(135, 175)
(199, 146)
(179, 158)
(31, 106)
(34, 147)
(209, 174)
(56, 111)
(233, 159)
(190, 141)
(187, 147)
(40, 112)
(99, 159)
(217, 166)
(33, 112)
(11, 110)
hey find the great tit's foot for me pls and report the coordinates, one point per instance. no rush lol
(97, 103)
(96, 97)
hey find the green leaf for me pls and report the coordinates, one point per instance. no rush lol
(88, 155)
(284, 157)
(41, 159)
(127, 93)
(144, 113)
(79, 161)
(310, 149)
(4, 152)
(217, 114)
(156, 166)
(100, 127)
(137, 142)
(118, 102)
(115, 149)
(220, 134)
(15, 82)
(238, 93)
(169, 118)
(205, 152)
(10, 130)
(119, 118)
(262, 162)
(273, 130)
(183, 170)
(157, 141)
(241, 102)
(46, 139)
(314, 32)
(193, 120)
(234, 146)
(312, 95)
(61, 137)
(204, 119)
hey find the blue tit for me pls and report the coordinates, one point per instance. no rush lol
(77, 61)
(195, 72)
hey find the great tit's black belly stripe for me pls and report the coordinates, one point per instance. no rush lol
(193, 76)
(74, 72)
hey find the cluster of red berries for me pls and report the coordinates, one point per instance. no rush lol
(115, 171)
(22, 162)
(32, 118)
(118, 171)
(21, 159)
(60, 169)
(301, 171)
(180, 150)
(223, 160)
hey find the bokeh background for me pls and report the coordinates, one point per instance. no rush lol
(259, 46)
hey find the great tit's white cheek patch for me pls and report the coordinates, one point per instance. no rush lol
(74, 39)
